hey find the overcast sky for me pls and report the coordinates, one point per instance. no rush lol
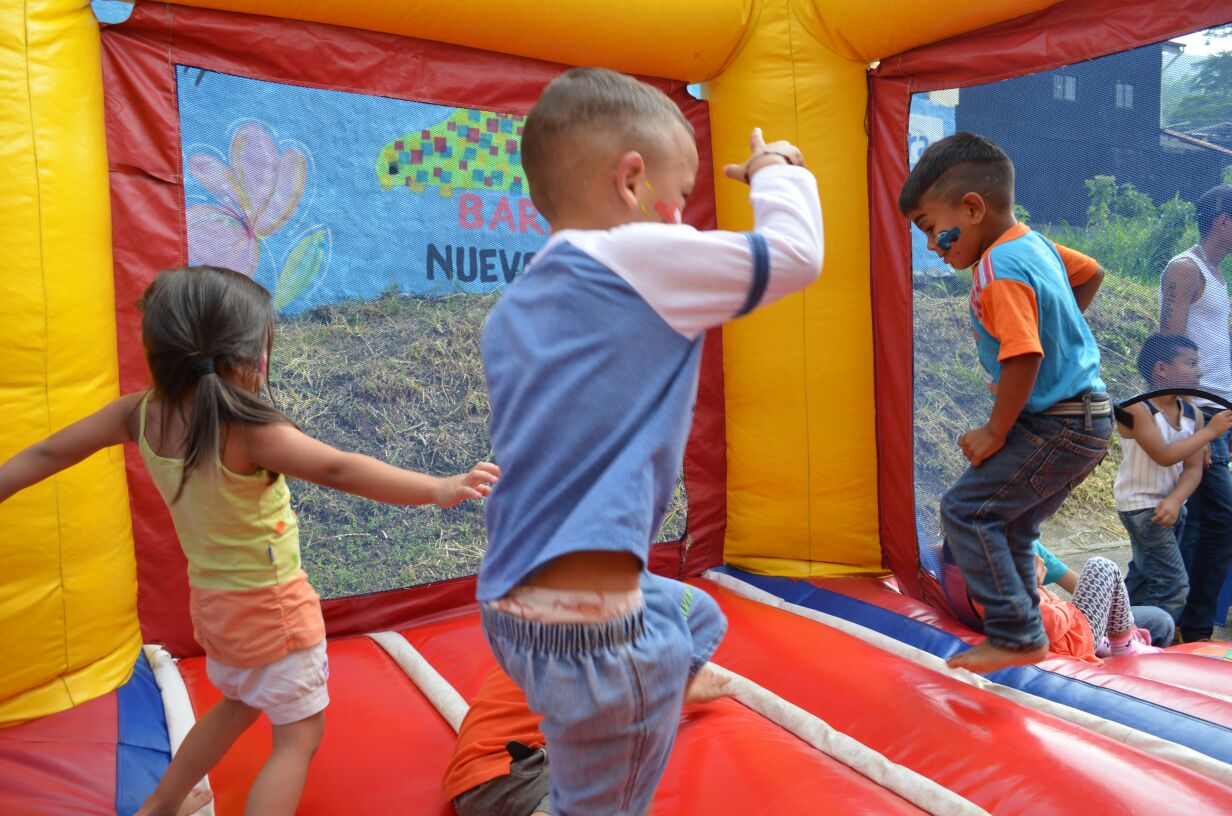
(1199, 44)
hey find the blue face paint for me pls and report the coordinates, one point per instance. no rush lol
(946, 238)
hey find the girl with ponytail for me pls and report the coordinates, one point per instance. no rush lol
(219, 455)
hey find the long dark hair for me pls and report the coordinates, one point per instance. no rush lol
(196, 324)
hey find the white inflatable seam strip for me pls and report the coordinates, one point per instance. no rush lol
(1148, 743)
(914, 787)
(444, 698)
(176, 706)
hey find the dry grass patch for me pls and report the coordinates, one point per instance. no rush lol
(401, 379)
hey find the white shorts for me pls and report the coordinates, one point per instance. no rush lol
(288, 690)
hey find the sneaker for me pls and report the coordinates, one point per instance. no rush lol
(1139, 643)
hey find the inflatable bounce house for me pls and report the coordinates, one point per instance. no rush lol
(341, 152)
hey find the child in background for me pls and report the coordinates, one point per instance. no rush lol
(592, 362)
(1050, 423)
(1157, 623)
(499, 765)
(219, 456)
(1099, 621)
(1161, 468)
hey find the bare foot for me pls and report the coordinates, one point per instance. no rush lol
(984, 658)
(197, 798)
(705, 686)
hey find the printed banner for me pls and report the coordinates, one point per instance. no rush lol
(392, 195)
(932, 119)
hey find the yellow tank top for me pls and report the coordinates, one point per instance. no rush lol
(237, 530)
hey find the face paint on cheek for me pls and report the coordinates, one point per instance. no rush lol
(668, 213)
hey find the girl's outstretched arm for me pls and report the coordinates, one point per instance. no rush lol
(106, 427)
(282, 448)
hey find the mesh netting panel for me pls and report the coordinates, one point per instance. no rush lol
(1110, 155)
(385, 229)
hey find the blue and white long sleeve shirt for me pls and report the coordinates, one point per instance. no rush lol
(592, 359)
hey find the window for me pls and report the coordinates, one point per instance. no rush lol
(1125, 96)
(1064, 87)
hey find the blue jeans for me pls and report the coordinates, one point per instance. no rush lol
(610, 693)
(1156, 575)
(1156, 621)
(993, 513)
(1206, 545)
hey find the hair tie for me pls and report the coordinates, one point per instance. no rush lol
(203, 366)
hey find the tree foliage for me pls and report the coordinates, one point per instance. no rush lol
(1209, 98)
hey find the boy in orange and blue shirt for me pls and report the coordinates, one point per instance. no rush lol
(1051, 420)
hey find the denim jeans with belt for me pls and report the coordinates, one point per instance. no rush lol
(993, 513)
(610, 693)
(1206, 544)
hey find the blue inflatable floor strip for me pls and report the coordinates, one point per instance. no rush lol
(143, 750)
(1201, 735)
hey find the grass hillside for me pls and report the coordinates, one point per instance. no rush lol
(401, 379)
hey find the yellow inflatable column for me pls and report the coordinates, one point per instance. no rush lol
(801, 452)
(68, 591)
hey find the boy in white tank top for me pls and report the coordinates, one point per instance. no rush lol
(1161, 468)
(1194, 302)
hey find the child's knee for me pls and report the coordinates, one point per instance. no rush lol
(238, 711)
(1103, 566)
(303, 735)
(951, 510)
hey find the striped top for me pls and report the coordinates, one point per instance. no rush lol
(1208, 328)
(1141, 482)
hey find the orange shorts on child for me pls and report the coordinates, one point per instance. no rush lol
(288, 690)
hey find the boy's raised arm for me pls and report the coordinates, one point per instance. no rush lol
(1146, 433)
(699, 279)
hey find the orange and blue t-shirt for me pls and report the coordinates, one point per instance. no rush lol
(1022, 302)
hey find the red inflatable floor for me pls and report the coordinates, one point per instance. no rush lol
(385, 747)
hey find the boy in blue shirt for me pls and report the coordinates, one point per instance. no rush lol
(1051, 420)
(592, 360)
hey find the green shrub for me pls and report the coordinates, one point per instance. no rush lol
(1126, 232)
